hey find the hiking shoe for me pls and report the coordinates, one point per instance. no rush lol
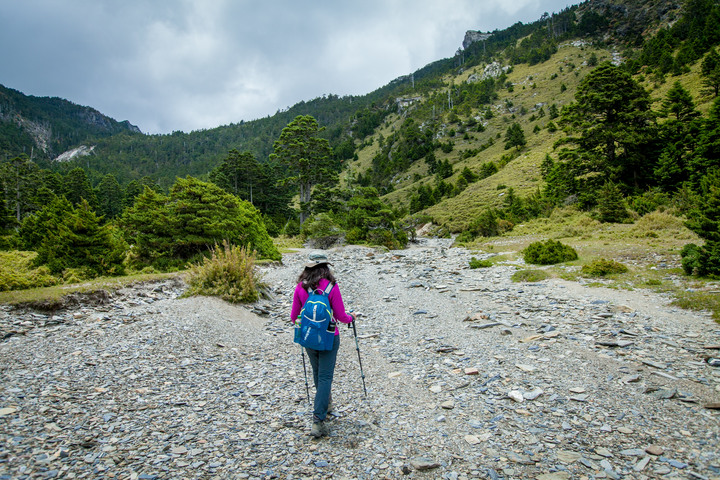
(318, 429)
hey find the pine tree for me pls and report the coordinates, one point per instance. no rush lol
(109, 195)
(710, 70)
(610, 132)
(679, 135)
(35, 228)
(307, 157)
(20, 179)
(148, 225)
(73, 238)
(611, 205)
(77, 187)
(238, 174)
(704, 220)
(515, 137)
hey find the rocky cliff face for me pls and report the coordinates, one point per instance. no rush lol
(472, 36)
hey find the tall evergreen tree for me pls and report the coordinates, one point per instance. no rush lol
(35, 228)
(710, 70)
(515, 137)
(109, 195)
(679, 135)
(307, 157)
(20, 179)
(609, 130)
(76, 187)
(707, 153)
(704, 220)
(79, 241)
(238, 174)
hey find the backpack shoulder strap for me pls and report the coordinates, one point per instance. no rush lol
(329, 288)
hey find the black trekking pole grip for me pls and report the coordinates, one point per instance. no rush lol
(357, 347)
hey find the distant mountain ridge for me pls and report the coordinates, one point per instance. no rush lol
(49, 126)
(54, 127)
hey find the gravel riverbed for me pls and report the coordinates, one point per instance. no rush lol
(468, 375)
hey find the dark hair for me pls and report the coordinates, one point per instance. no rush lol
(310, 277)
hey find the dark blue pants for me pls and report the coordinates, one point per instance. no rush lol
(323, 367)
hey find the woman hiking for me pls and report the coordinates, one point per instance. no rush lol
(317, 276)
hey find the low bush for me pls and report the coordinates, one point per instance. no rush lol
(602, 267)
(549, 252)
(702, 261)
(476, 263)
(690, 255)
(17, 272)
(229, 273)
(529, 276)
(321, 231)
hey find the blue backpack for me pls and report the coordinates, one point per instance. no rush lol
(315, 328)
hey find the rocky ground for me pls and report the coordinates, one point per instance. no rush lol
(468, 375)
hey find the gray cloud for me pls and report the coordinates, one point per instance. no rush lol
(187, 65)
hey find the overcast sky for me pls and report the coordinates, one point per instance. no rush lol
(168, 65)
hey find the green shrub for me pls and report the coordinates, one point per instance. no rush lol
(649, 201)
(382, 237)
(485, 225)
(529, 276)
(602, 267)
(229, 273)
(611, 204)
(321, 231)
(67, 236)
(690, 254)
(548, 253)
(167, 231)
(17, 272)
(475, 263)
(465, 237)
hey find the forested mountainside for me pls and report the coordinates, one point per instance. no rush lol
(52, 126)
(609, 107)
(47, 127)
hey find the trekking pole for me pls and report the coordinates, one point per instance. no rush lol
(307, 387)
(357, 347)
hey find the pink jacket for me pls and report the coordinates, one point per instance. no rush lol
(336, 303)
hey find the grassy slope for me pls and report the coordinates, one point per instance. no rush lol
(649, 247)
(533, 86)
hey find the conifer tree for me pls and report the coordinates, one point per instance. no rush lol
(238, 174)
(148, 226)
(611, 205)
(710, 70)
(76, 187)
(515, 137)
(77, 240)
(307, 157)
(679, 135)
(109, 195)
(610, 129)
(20, 178)
(704, 220)
(35, 228)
